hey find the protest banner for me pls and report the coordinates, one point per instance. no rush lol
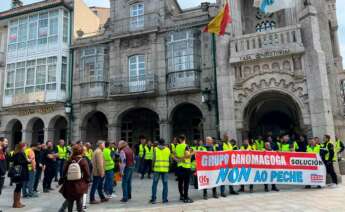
(259, 167)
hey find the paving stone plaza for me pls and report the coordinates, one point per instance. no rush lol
(289, 199)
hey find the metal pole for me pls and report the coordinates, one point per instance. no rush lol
(214, 55)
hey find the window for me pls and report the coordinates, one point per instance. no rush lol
(265, 22)
(64, 73)
(52, 66)
(41, 74)
(65, 27)
(183, 51)
(92, 64)
(33, 27)
(20, 78)
(53, 26)
(30, 76)
(10, 74)
(137, 16)
(137, 80)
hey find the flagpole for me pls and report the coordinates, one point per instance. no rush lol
(214, 57)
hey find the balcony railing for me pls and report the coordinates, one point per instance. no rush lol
(132, 86)
(275, 43)
(34, 97)
(93, 90)
(183, 81)
(148, 21)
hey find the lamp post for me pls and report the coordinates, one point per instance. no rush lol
(206, 98)
(68, 111)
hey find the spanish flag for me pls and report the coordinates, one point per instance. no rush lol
(219, 23)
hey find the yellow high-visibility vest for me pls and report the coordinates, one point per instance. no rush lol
(148, 153)
(27, 154)
(62, 152)
(161, 163)
(180, 153)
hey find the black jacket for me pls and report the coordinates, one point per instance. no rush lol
(19, 159)
(3, 164)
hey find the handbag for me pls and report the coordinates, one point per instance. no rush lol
(15, 172)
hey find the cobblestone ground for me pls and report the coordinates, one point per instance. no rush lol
(289, 199)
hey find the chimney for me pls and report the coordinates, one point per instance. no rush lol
(16, 3)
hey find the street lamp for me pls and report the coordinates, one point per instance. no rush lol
(68, 108)
(206, 98)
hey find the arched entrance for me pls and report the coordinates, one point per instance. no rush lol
(37, 129)
(187, 119)
(137, 122)
(272, 113)
(59, 126)
(96, 127)
(15, 134)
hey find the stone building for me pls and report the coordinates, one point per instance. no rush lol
(35, 72)
(281, 72)
(144, 74)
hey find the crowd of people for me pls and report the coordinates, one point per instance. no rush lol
(81, 170)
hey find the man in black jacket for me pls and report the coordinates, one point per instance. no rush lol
(3, 161)
(329, 157)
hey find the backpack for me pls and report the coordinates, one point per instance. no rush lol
(74, 171)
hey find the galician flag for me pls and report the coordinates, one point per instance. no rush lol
(271, 6)
(219, 23)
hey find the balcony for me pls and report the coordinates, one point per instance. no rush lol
(33, 98)
(2, 59)
(276, 43)
(133, 87)
(134, 25)
(183, 81)
(90, 91)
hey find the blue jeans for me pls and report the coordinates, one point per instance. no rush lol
(109, 182)
(97, 184)
(156, 177)
(28, 186)
(59, 168)
(127, 183)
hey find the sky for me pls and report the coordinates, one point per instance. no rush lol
(5, 4)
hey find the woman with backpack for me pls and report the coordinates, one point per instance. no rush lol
(76, 179)
(19, 173)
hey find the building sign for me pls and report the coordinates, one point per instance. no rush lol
(265, 54)
(40, 109)
(29, 98)
(259, 167)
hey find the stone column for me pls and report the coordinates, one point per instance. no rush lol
(114, 132)
(165, 130)
(49, 134)
(27, 136)
(316, 72)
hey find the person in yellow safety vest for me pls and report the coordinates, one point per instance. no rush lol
(233, 144)
(268, 147)
(246, 147)
(89, 151)
(286, 145)
(225, 143)
(161, 163)
(28, 186)
(329, 158)
(147, 160)
(260, 143)
(226, 146)
(183, 156)
(199, 147)
(339, 147)
(142, 144)
(62, 157)
(312, 147)
(109, 166)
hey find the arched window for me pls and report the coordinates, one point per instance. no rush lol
(265, 22)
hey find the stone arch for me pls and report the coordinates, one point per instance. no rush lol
(35, 130)
(57, 128)
(94, 127)
(138, 121)
(261, 105)
(187, 118)
(14, 132)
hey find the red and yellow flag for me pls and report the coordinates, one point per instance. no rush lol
(219, 23)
